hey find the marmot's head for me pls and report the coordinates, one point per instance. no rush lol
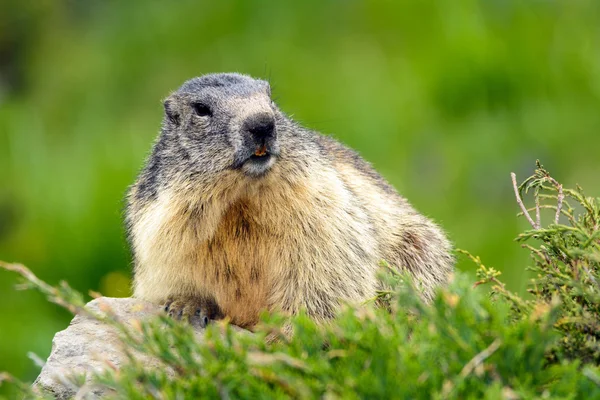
(221, 122)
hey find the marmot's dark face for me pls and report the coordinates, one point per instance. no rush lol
(224, 121)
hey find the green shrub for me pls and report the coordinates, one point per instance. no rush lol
(466, 344)
(566, 263)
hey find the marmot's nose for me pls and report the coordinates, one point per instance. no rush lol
(260, 126)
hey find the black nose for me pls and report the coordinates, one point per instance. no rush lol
(260, 126)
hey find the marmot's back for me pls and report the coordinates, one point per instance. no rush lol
(239, 209)
(406, 238)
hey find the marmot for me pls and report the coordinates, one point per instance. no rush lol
(239, 209)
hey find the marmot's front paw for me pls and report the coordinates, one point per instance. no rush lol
(198, 311)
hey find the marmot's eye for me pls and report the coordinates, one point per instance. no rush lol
(202, 110)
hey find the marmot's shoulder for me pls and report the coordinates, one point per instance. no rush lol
(338, 154)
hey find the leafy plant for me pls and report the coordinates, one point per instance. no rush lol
(566, 264)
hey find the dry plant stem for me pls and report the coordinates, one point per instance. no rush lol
(49, 291)
(479, 358)
(54, 295)
(550, 207)
(561, 197)
(538, 218)
(473, 363)
(520, 202)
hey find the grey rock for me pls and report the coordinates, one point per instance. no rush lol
(90, 345)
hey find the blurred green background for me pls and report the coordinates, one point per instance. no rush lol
(445, 98)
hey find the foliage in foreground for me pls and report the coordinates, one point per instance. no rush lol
(466, 344)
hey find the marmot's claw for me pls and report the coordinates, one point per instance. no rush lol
(195, 310)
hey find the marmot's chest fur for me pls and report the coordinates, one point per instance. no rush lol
(265, 252)
(240, 208)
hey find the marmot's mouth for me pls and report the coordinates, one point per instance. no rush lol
(256, 159)
(260, 158)
(261, 151)
(261, 154)
(258, 166)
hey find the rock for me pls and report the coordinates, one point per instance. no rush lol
(90, 345)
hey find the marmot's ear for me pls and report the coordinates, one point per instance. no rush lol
(171, 111)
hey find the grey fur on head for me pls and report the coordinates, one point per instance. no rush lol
(240, 209)
(210, 113)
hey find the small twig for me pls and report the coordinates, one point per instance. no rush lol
(538, 218)
(561, 197)
(551, 207)
(36, 359)
(479, 358)
(520, 202)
